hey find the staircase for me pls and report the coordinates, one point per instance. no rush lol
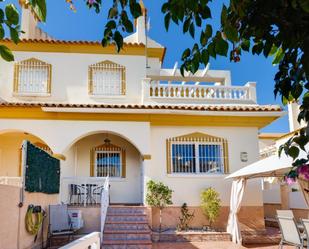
(126, 227)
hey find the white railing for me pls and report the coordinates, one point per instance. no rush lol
(104, 205)
(81, 190)
(171, 90)
(89, 241)
(268, 151)
(12, 181)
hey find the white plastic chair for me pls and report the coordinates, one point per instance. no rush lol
(289, 232)
(305, 223)
(59, 222)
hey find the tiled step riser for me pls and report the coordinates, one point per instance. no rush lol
(127, 236)
(127, 247)
(126, 227)
(124, 219)
(126, 211)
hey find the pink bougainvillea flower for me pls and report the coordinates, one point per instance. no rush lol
(290, 180)
(304, 171)
(91, 2)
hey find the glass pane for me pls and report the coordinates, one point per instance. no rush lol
(183, 158)
(108, 164)
(33, 79)
(210, 158)
(107, 81)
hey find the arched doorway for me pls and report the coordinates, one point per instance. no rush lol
(107, 154)
(10, 150)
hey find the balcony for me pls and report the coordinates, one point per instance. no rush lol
(207, 86)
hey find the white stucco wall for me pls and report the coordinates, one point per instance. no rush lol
(60, 135)
(73, 138)
(187, 188)
(70, 77)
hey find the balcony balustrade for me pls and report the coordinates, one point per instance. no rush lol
(160, 91)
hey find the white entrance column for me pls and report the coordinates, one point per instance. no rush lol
(146, 162)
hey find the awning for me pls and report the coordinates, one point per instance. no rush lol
(273, 166)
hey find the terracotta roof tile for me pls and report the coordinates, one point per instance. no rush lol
(77, 42)
(248, 108)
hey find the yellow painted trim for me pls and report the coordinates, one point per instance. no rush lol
(59, 156)
(83, 48)
(146, 157)
(289, 134)
(153, 119)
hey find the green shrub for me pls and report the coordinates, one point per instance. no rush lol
(210, 204)
(185, 218)
(158, 195)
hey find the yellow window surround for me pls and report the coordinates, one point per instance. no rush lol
(196, 137)
(31, 64)
(107, 146)
(110, 66)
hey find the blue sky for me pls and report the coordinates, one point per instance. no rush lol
(85, 24)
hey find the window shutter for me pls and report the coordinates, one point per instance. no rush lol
(226, 157)
(168, 157)
(92, 154)
(123, 169)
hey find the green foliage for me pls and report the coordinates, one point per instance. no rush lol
(185, 218)
(9, 17)
(210, 204)
(158, 194)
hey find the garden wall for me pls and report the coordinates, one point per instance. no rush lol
(250, 217)
(13, 234)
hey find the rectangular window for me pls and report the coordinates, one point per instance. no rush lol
(108, 163)
(196, 157)
(106, 82)
(106, 78)
(32, 77)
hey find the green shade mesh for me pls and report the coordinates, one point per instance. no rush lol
(42, 171)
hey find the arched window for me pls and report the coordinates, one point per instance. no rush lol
(106, 78)
(108, 160)
(197, 153)
(32, 77)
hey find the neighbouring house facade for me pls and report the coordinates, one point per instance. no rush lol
(276, 193)
(125, 116)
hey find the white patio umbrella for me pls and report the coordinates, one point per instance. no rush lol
(272, 166)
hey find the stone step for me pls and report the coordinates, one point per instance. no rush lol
(127, 237)
(127, 242)
(126, 210)
(126, 219)
(123, 227)
(144, 246)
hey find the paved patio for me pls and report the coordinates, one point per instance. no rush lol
(211, 245)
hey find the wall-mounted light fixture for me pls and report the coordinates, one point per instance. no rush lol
(244, 156)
